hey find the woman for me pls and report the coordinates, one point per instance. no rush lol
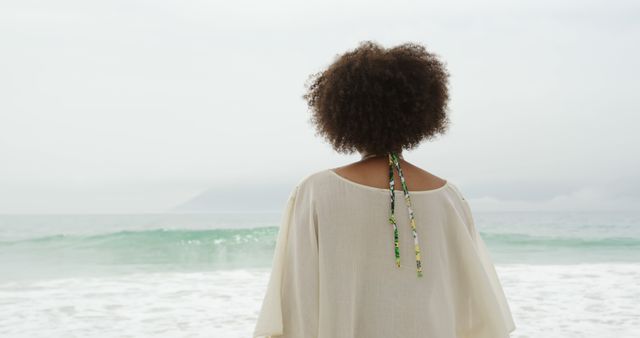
(355, 257)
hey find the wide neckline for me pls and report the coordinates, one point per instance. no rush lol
(411, 192)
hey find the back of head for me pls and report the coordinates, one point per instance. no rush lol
(377, 100)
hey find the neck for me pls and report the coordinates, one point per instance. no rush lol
(365, 155)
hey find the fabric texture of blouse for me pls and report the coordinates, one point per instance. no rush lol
(334, 272)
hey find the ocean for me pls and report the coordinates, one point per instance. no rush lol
(565, 274)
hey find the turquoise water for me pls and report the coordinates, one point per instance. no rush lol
(104, 244)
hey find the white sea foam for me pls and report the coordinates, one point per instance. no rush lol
(211, 304)
(583, 300)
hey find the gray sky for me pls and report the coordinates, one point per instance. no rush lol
(139, 106)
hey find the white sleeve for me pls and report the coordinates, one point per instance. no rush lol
(487, 313)
(290, 305)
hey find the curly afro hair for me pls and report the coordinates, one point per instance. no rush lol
(377, 100)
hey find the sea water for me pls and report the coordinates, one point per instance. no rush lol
(565, 274)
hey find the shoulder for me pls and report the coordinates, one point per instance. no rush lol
(316, 185)
(313, 179)
(454, 187)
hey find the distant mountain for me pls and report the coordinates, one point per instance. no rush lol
(266, 197)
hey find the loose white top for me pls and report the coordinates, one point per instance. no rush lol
(334, 273)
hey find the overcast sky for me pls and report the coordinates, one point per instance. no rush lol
(139, 106)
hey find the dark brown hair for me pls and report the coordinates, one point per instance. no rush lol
(377, 100)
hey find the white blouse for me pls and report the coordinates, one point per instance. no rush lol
(334, 273)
